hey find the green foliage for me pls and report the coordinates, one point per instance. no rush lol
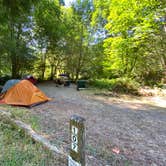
(15, 34)
(49, 33)
(120, 85)
(90, 39)
(133, 35)
(77, 39)
(152, 78)
(47, 17)
(125, 85)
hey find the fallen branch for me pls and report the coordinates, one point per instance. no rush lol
(7, 117)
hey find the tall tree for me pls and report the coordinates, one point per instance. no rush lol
(17, 15)
(131, 26)
(77, 37)
(48, 32)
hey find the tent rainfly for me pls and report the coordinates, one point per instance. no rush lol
(23, 93)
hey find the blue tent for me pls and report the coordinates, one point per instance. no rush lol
(9, 84)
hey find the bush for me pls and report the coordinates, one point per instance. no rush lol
(101, 83)
(3, 79)
(120, 85)
(152, 78)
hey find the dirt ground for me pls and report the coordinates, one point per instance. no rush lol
(118, 131)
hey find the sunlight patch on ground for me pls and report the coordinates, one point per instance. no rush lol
(135, 102)
(156, 101)
(159, 101)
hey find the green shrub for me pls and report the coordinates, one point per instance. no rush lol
(101, 84)
(151, 78)
(120, 85)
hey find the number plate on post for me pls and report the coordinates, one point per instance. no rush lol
(74, 139)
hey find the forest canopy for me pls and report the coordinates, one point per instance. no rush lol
(91, 39)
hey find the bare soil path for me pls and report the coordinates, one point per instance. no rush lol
(137, 130)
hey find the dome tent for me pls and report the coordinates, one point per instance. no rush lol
(24, 93)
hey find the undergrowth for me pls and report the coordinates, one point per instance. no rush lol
(119, 85)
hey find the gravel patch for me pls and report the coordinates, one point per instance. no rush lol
(137, 130)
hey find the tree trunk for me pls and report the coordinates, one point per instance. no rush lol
(13, 50)
(52, 72)
(78, 69)
(43, 66)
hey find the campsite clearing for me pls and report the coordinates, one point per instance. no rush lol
(117, 131)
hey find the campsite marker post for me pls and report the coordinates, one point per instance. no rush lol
(77, 136)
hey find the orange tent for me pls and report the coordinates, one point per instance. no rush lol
(24, 93)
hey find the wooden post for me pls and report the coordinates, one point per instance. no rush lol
(77, 136)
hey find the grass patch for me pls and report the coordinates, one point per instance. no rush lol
(16, 149)
(23, 114)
